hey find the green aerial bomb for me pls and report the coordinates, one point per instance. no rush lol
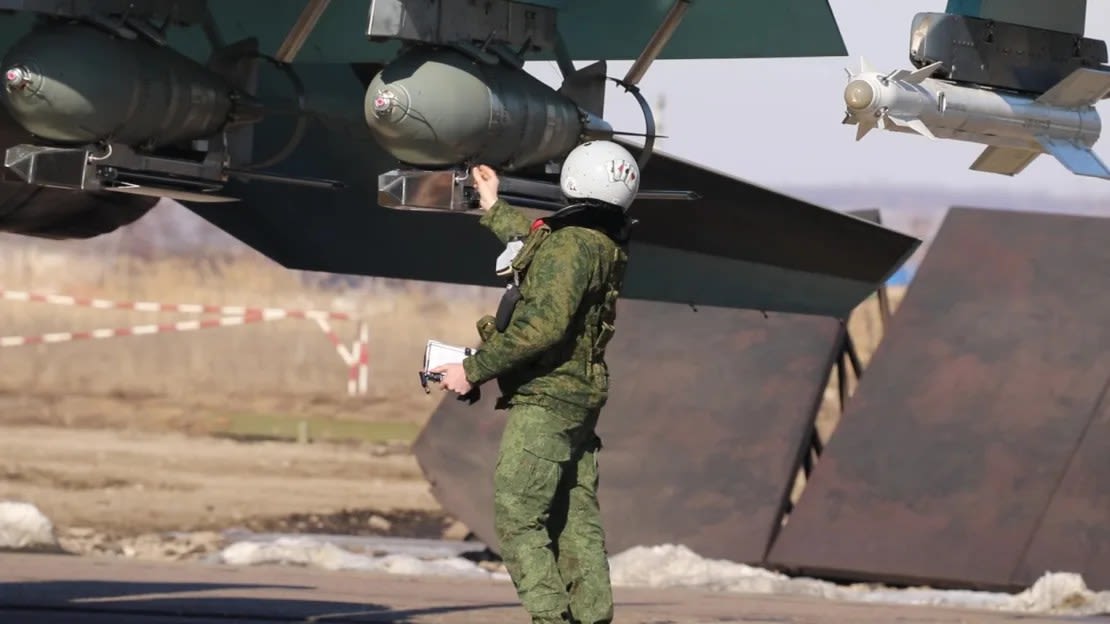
(138, 94)
(439, 106)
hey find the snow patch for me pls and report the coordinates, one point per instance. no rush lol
(677, 566)
(313, 553)
(24, 527)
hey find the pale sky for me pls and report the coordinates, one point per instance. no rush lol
(777, 122)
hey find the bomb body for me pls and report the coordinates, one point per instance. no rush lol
(436, 107)
(76, 84)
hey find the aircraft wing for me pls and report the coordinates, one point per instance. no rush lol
(613, 29)
(738, 246)
(1063, 15)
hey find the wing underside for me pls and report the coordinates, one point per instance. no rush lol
(739, 246)
(1063, 15)
(614, 30)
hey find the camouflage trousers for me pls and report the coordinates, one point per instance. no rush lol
(547, 517)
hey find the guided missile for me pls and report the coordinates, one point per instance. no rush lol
(1016, 127)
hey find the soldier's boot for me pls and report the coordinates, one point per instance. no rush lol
(530, 466)
(583, 562)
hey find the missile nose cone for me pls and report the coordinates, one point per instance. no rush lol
(384, 102)
(18, 78)
(859, 94)
(387, 105)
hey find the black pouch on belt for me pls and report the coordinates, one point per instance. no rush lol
(505, 309)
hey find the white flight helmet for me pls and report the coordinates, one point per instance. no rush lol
(601, 170)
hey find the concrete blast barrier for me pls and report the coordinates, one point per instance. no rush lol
(972, 452)
(710, 413)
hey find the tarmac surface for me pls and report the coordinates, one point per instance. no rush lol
(57, 589)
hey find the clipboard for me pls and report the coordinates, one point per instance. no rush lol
(437, 354)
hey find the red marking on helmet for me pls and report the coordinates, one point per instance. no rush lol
(537, 224)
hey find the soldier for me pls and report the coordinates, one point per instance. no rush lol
(546, 348)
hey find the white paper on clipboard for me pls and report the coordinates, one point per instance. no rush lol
(439, 353)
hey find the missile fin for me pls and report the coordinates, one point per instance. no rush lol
(1082, 87)
(1078, 159)
(915, 76)
(586, 88)
(1004, 160)
(916, 125)
(863, 129)
(865, 67)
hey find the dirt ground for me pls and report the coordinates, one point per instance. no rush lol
(124, 442)
(128, 492)
(137, 482)
(120, 473)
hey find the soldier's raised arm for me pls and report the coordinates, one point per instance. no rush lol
(504, 220)
(558, 279)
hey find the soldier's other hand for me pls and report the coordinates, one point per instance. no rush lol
(454, 378)
(487, 183)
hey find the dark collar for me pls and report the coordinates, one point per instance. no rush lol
(606, 218)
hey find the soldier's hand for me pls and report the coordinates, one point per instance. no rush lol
(454, 378)
(486, 181)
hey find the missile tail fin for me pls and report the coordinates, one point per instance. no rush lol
(238, 63)
(1004, 160)
(586, 88)
(1078, 159)
(916, 76)
(916, 125)
(1083, 87)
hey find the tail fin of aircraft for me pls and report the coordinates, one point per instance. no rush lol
(1079, 159)
(1004, 160)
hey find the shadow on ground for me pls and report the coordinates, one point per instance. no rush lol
(103, 602)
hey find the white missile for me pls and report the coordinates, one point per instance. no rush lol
(1016, 128)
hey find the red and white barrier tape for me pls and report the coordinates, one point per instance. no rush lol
(135, 330)
(151, 306)
(356, 356)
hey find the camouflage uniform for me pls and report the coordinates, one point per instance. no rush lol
(549, 363)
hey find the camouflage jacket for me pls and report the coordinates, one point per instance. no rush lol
(553, 351)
